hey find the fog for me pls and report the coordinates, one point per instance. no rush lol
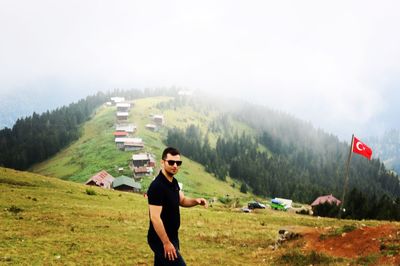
(333, 63)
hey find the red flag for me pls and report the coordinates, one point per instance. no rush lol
(361, 148)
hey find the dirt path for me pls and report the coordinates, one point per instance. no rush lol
(382, 242)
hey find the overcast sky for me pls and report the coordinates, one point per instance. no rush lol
(333, 63)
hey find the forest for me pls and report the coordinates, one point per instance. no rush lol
(36, 138)
(294, 177)
(300, 162)
(282, 157)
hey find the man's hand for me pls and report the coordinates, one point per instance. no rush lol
(203, 202)
(170, 251)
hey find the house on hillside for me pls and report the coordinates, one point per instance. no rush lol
(159, 120)
(143, 159)
(120, 134)
(129, 128)
(122, 116)
(124, 183)
(136, 145)
(116, 100)
(129, 144)
(151, 127)
(139, 172)
(120, 142)
(101, 179)
(123, 107)
(325, 199)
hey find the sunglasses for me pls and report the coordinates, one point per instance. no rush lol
(172, 162)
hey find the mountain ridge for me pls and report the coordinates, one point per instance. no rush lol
(306, 151)
(272, 153)
(96, 151)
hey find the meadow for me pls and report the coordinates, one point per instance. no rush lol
(95, 150)
(51, 218)
(48, 221)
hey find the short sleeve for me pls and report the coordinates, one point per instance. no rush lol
(155, 194)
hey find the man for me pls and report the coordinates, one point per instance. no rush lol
(164, 198)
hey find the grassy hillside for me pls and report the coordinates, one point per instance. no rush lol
(96, 150)
(48, 221)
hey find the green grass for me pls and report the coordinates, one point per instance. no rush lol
(368, 260)
(46, 221)
(96, 150)
(298, 258)
(337, 231)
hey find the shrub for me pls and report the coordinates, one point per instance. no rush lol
(304, 212)
(368, 260)
(14, 209)
(225, 200)
(90, 192)
(347, 228)
(339, 231)
(243, 188)
(295, 257)
(326, 210)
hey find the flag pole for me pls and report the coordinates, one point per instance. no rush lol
(346, 178)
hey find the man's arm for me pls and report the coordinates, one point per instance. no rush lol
(190, 202)
(155, 218)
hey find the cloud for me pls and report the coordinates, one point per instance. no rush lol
(332, 63)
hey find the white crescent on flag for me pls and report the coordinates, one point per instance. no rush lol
(360, 146)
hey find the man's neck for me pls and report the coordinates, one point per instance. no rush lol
(167, 175)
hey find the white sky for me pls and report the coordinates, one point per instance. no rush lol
(334, 63)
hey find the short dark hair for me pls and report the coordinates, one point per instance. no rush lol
(170, 150)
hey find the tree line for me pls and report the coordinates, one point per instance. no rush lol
(359, 206)
(299, 161)
(36, 138)
(294, 172)
(388, 147)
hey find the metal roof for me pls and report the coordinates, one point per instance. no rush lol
(127, 128)
(129, 140)
(117, 99)
(124, 180)
(140, 156)
(122, 113)
(327, 198)
(101, 178)
(123, 105)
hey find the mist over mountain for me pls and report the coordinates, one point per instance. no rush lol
(387, 148)
(51, 94)
(383, 137)
(270, 152)
(303, 58)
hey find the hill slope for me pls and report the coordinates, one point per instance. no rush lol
(50, 221)
(275, 154)
(96, 150)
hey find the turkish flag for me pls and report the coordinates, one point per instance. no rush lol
(361, 148)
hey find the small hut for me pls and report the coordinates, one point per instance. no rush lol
(325, 199)
(124, 183)
(101, 179)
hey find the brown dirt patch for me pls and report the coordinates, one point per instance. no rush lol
(381, 241)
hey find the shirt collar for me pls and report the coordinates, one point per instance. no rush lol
(165, 179)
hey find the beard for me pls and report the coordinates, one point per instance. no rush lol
(170, 173)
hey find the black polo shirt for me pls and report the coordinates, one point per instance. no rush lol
(166, 194)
